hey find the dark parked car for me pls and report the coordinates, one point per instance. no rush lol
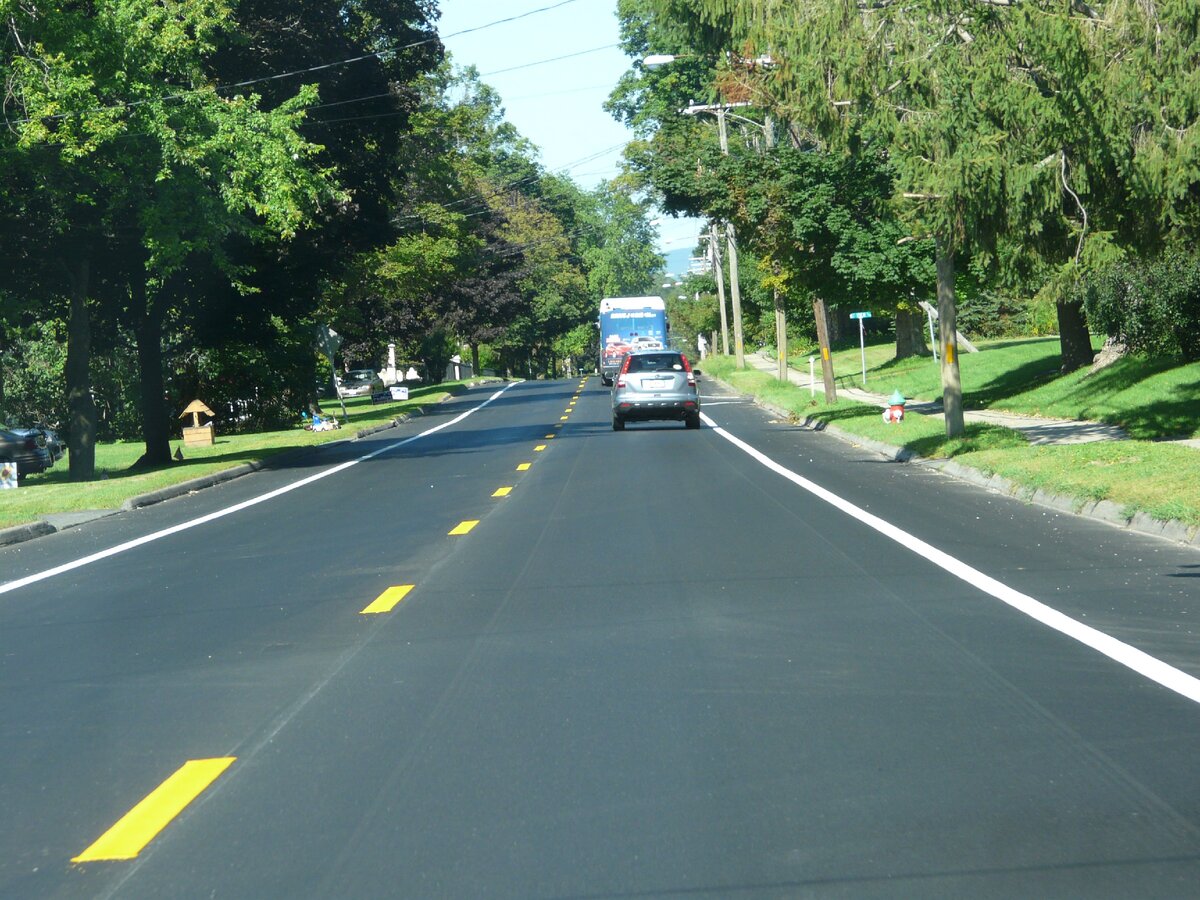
(54, 443)
(655, 384)
(26, 447)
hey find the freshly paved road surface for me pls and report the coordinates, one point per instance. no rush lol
(654, 667)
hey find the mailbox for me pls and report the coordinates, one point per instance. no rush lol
(197, 435)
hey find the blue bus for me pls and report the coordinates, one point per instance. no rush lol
(629, 323)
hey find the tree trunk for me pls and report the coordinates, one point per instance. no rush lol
(1074, 338)
(155, 428)
(81, 408)
(910, 334)
(823, 340)
(840, 325)
(475, 359)
(947, 337)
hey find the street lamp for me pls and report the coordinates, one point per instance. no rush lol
(655, 60)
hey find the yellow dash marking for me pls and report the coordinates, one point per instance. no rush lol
(539, 448)
(524, 467)
(463, 527)
(388, 600)
(550, 437)
(558, 426)
(568, 410)
(141, 825)
(502, 492)
(561, 419)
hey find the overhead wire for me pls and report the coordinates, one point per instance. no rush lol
(542, 62)
(130, 104)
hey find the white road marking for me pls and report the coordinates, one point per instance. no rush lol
(237, 507)
(1137, 660)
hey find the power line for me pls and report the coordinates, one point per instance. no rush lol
(542, 62)
(125, 105)
(594, 87)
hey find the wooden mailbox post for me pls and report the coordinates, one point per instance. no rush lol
(197, 435)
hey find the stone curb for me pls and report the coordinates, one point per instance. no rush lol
(186, 487)
(1101, 510)
(20, 533)
(28, 532)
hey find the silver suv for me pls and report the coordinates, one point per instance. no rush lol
(655, 384)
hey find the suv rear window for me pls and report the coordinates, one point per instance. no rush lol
(655, 362)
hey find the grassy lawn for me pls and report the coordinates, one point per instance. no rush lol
(1149, 398)
(53, 492)
(1139, 475)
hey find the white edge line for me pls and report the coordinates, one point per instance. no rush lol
(1139, 661)
(237, 507)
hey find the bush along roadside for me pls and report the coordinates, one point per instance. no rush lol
(1152, 487)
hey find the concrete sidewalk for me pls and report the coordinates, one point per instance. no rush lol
(1037, 430)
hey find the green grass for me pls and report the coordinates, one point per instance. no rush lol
(1149, 398)
(54, 492)
(1157, 478)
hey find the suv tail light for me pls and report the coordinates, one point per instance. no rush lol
(624, 369)
(687, 367)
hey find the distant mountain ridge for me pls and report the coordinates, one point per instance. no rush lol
(677, 261)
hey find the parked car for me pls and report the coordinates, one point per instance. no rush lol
(359, 383)
(54, 444)
(26, 447)
(655, 384)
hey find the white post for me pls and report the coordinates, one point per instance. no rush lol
(932, 339)
(862, 348)
(812, 376)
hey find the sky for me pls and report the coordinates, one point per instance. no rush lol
(556, 103)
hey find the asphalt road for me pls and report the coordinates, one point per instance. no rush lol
(656, 666)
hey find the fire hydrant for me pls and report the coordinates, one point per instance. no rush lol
(895, 411)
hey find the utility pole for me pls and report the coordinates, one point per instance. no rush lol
(823, 340)
(714, 254)
(735, 290)
(781, 350)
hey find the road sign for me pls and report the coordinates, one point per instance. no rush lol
(862, 341)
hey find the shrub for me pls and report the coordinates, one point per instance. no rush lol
(1152, 306)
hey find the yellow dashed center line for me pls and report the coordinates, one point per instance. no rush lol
(524, 467)
(463, 527)
(561, 419)
(502, 492)
(539, 448)
(549, 437)
(387, 601)
(140, 825)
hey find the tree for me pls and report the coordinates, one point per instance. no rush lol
(149, 169)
